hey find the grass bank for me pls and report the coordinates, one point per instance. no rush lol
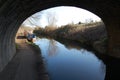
(91, 34)
(40, 65)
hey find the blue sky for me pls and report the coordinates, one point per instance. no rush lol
(62, 15)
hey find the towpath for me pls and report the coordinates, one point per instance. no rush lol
(27, 64)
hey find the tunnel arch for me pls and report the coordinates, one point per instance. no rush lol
(13, 13)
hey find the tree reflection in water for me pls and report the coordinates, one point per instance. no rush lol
(52, 48)
(65, 63)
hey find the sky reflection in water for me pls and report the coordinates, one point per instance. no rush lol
(70, 64)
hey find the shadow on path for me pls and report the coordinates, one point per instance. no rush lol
(27, 64)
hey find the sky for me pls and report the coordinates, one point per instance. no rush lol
(60, 16)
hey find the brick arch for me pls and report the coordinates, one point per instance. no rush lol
(14, 12)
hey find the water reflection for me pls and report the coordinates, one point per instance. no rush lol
(70, 44)
(63, 63)
(52, 48)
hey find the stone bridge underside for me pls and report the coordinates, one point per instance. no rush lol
(14, 12)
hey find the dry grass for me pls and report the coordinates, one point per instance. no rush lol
(92, 34)
(84, 33)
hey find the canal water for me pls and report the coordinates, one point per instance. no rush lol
(70, 63)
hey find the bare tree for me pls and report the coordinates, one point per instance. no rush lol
(33, 20)
(51, 19)
(90, 20)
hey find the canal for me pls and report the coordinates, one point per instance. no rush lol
(70, 63)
